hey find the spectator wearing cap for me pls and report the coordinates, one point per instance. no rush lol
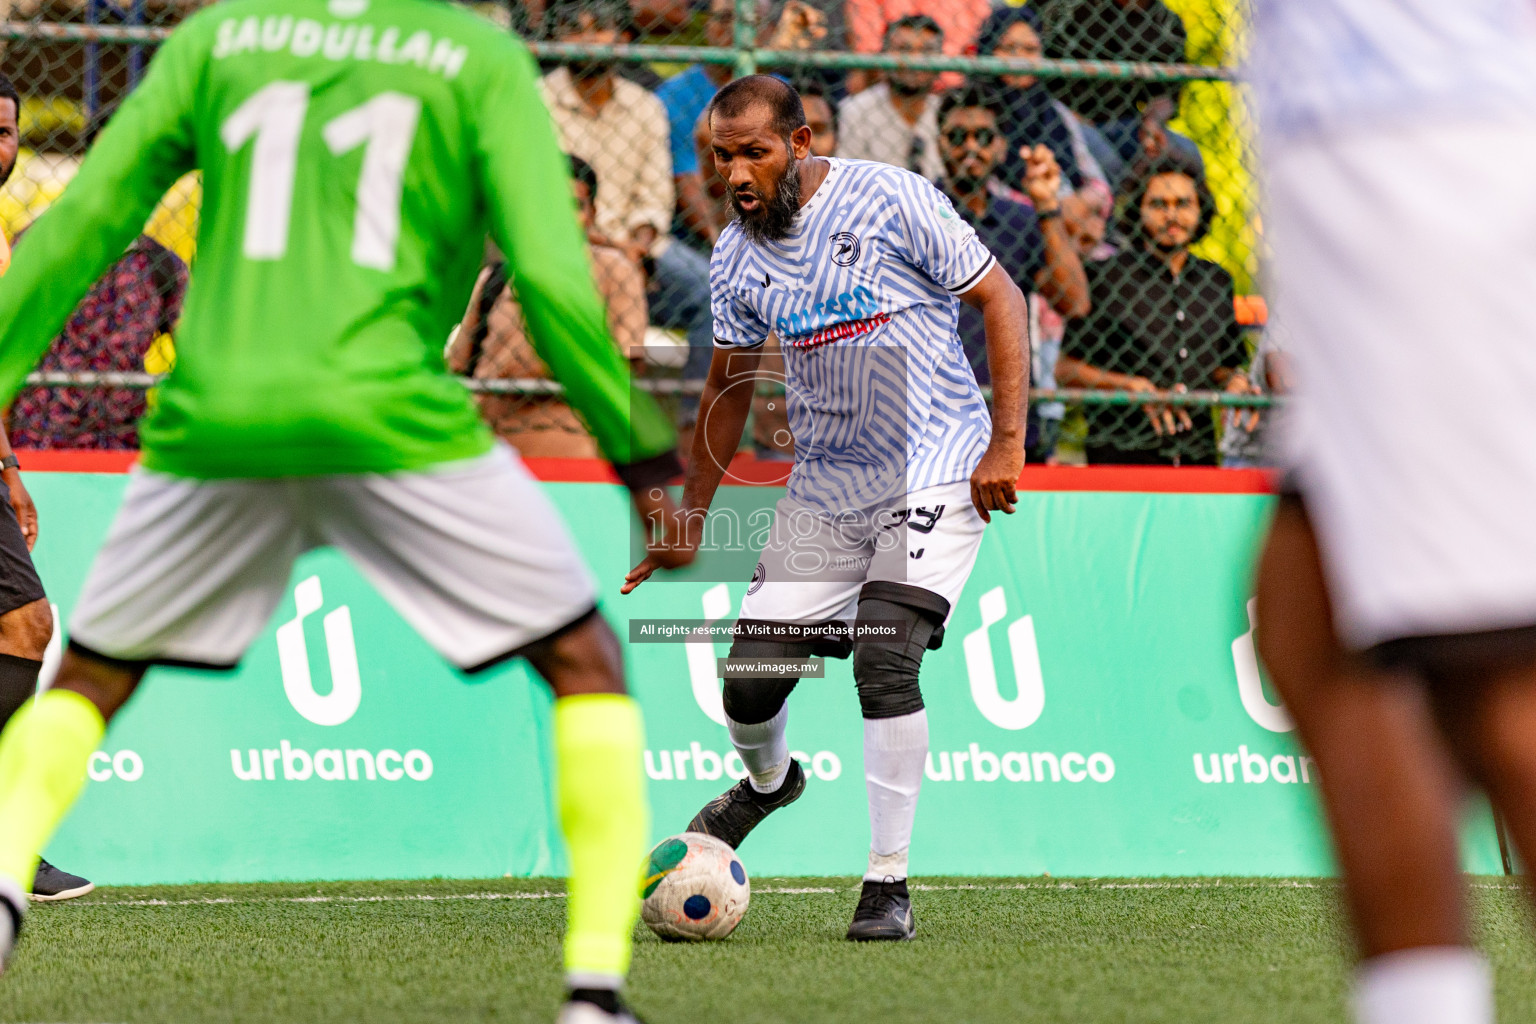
(1024, 232)
(621, 129)
(1161, 321)
(869, 22)
(897, 121)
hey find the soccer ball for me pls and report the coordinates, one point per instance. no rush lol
(694, 889)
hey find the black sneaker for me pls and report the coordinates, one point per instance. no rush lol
(736, 812)
(50, 884)
(885, 912)
(595, 1006)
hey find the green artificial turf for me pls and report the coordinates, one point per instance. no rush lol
(1035, 950)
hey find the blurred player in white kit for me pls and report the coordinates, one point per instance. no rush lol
(1397, 593)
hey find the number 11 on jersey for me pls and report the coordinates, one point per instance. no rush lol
(275, 115)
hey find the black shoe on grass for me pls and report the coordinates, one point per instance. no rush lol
(732, 815)
(595, 1006)
(50, 884)
(885, 913)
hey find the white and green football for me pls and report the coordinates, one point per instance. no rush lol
(694, 889)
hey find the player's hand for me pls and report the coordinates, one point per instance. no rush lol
(670, 543)
(21, 501)
(994, 484)
(1042, 177)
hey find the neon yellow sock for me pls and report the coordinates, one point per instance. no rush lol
(44, 752)
(603, 812)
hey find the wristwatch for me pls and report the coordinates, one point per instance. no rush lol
(1048, 214)
(10, 462)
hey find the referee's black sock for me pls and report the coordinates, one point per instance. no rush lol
(18, 684)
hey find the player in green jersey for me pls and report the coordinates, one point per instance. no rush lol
(353, 155)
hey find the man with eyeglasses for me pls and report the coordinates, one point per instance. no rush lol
(1025, 233)
(1161, 321)
(897, 121)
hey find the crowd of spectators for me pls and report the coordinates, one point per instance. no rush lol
(1088, 199)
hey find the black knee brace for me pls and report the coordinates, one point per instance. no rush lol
(886, 672)
(753, 700)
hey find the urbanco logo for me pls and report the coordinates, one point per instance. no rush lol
(701, 657)
(293, 659)
(1022, 711)
(1250, 685)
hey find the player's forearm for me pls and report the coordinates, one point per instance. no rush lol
(1005, 316)
(1008, 365)
(723, 411)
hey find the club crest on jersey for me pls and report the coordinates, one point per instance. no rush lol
(845, 249)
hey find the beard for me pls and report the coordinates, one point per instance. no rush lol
(967, 185)
(589, 69)
(775, 216)
(901, 87)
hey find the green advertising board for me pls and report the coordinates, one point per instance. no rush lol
(1096, 709)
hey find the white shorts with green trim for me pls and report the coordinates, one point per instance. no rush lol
(471, 553)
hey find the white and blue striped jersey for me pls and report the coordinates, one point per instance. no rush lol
(861, 294)
(1321, 67)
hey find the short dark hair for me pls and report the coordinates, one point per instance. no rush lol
(1135, 190)
(8, 92)
(921, 22)
(565, 15)
(781, 99)
(971, 94)
(582, 171)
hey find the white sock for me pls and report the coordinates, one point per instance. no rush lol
(894, 752)
(763, 749)
(1428, 985)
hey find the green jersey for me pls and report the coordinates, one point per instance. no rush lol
(354, 155)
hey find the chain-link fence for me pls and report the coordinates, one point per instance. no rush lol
(1099, 147)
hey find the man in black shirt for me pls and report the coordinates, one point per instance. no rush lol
(1161, 320)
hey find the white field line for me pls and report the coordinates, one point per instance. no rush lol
(767, 890)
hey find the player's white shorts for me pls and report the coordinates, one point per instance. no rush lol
(471, 553)
(1406, 290)
(814, 564)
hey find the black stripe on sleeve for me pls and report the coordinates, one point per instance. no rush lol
(975, 279)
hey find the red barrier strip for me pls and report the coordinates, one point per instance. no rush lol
(747, 470)
(58, 460)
